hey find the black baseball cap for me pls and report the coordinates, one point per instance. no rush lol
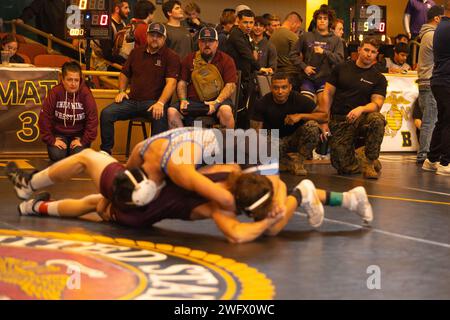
(208, 33)
(158, 28)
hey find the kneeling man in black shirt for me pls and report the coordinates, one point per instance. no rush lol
(353, 96)
(295, 116)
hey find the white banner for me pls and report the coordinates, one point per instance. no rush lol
(400, 132)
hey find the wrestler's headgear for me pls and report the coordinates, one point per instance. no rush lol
(142, 190)
(249, 210)
(253, 195)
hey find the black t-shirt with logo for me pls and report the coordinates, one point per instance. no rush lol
(355, 86)
(272, 114)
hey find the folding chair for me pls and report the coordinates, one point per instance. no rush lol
(50, 60)
(26, 59)
(32, 50)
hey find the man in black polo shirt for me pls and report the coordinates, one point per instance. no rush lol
(153, 72)
(295, 116)
(353, 96)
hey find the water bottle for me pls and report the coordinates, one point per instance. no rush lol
(322, 148)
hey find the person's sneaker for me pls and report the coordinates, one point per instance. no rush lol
(443, 170)
(430, 166)
(28, 207)
(20, 180)
(361, 206)
(311, 203)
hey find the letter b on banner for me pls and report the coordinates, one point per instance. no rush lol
(406, 135)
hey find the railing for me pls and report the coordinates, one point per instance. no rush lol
(51, 39)
(415, 51)
(109, 81)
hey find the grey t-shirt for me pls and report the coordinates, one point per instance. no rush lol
(179, 40)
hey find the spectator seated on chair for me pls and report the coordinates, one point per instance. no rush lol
(153, 72)
(208, 80)
(295, 116)
(68, 120)
(11, 44)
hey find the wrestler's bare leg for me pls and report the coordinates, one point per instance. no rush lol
(87, 161)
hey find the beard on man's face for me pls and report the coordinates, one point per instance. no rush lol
(207, 56)
(123, 15)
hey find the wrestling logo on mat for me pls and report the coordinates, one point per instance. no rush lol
(48, 265)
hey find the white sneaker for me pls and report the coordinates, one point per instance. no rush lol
(311, 203)
(28, 207)
(430, 166)
(443, 170)
(361, 206)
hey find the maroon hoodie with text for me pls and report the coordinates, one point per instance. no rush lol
(67, 114)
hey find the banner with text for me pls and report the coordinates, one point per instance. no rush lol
(400, 132)
(22, 92)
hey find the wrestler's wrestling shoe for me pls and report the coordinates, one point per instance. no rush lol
(311, 203)
(20, 180)
(28, 207)
(360, 204)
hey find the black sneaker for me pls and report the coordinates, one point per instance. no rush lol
(20, 180)
(27, 208)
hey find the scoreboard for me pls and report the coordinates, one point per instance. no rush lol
(88, 19)
(368, 20)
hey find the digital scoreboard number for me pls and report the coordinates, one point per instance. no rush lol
(88, 19)
(368, 20)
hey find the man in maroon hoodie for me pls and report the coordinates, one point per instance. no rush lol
(68, 119)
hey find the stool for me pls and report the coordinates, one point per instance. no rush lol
(138, 121)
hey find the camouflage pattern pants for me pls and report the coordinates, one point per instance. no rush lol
(303, 140)
(344, 134)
